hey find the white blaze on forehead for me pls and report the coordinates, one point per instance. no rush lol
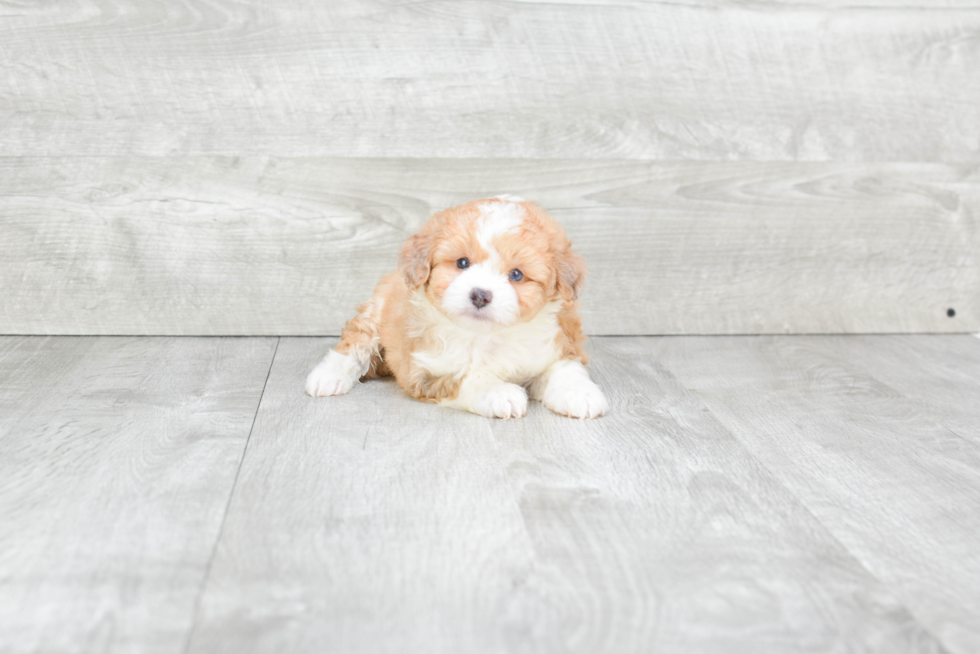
(498, 218)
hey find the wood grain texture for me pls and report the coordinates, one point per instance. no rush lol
(374, 523)
(656, 530)
(940, 376)
(709, 80)
(262, 245)
(117, 459)
(371, 523)
(878, 466)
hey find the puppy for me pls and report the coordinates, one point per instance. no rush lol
(481, 315)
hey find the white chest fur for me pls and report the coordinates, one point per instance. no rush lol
(516, 354)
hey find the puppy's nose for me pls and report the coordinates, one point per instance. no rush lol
(480, 298)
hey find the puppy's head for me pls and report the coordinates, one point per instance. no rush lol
(492, 263)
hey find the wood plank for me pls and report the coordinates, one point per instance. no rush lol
(260, 245)
(899, 489)
(374, 523)
(117, 459)
(704, 80)
(656, 530)
(370, 522)
(939, 376)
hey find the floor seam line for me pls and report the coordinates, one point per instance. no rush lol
(224, 517)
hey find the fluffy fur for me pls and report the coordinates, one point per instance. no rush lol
(456, 325)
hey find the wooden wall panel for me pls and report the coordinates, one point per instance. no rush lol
(708, 80)
(224, 167)
(261, 245)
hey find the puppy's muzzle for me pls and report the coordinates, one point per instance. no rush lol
(480, 298)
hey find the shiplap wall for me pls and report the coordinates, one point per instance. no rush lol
(214, 167)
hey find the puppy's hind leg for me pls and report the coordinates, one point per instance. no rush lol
(357, 354)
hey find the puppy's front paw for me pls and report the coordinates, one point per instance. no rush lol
(335, 375)
(576, 398)
(503, 401)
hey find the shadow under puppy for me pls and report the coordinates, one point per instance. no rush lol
(481, 314)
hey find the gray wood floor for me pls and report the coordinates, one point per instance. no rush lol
(746, 494)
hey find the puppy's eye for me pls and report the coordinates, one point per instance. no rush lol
(462, 263)
(516, 275)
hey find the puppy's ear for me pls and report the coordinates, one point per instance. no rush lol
(571, 275)
(413, 260)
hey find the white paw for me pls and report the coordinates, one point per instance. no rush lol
(575, 398)
(335, 375)
(503, 401)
